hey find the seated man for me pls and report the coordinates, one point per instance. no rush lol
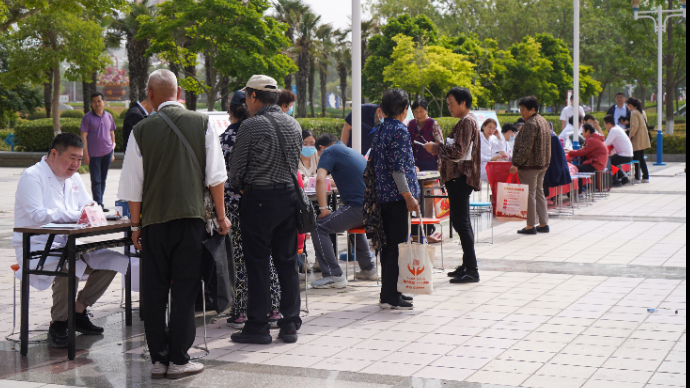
(623, 147)
(347, 168)
(595, 151)
(52, 191)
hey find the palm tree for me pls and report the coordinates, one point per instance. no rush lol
(290, 12)
(303, 46)
(126, 28)
(343, 60)
(322, 53)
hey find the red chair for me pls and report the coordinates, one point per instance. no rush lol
(351, 249)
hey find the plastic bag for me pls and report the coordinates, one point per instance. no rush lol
(416, 265)
(512, 201)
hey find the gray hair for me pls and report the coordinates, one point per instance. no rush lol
(162, 79)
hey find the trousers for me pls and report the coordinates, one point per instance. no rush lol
(98, 169)
(269, 229)
(172, 264)
(95, 287)
(394, 216)
(459, 193)
(537, 209)
(641, 170)
(617, 160)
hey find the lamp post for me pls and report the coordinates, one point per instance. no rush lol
(660, 28)
(576, 75)
(356, 76)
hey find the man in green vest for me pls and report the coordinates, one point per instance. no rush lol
(165, 194)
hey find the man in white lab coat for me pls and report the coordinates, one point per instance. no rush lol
(51, 191)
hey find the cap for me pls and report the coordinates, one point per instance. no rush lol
(239, 98)
(263, 83)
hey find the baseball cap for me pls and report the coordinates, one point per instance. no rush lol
(263, 83)
(239, 98)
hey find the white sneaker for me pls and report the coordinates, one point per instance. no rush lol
(158, 370)
(330, 282)
(188, 369)
(367, 275)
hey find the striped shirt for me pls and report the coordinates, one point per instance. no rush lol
(257, 158)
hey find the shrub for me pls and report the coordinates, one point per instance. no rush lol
(112, 112)
(37, 135)
(122, 114)
(674, 144)
(36, 115)
(75, 114)
(321, 126)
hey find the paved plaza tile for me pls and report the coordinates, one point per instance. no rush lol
(567, 309)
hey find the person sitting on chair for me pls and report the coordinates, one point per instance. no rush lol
(595, 151)
(51, 191)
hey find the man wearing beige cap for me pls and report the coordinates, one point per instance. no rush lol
(262, 167)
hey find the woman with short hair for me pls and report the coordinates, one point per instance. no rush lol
(424, 129)
(286, 101)
(639, 136)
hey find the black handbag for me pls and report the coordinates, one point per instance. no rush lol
(306, 215)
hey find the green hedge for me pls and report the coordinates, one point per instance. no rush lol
(675, 144)
(37, 135)
(74, 114)
(36, 116)
(321, 126)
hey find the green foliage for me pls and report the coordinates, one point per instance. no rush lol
(529, 74)
(674, 144)
(36, 116)
(321, 126)
(112, 112)
(122, 115)
(37, 135)
(381, 48)
(21, 99)
(74, 114)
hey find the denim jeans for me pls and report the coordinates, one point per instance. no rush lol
(98, 169)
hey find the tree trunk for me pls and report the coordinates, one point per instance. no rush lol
(174, 68)
(643, 90)
(48, 93)
(302, 81)
(211, 80)
(312, 81)
(342, 73)
(601, 96)
(224, 93)
(189, 96)
(88, 88)
(288, 82)
(138, 67)
(56, 100)
(323, 78)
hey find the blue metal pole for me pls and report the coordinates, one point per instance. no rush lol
(659, 148)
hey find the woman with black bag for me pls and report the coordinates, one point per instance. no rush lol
(640, 138)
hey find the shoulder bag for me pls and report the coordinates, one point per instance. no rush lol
(209, 205)
(306, 216)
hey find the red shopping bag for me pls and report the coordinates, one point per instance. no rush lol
(512, 201)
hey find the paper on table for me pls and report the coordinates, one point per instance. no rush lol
(63, 226)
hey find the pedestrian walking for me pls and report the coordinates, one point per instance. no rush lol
(98, 133)
(531, 159)
(162, 182)
(461, 158)
(263, 167)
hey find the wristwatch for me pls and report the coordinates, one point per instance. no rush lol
(136, 228)
(325, 208)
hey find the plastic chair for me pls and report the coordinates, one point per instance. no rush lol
(351, 250)
(431, 221)
(602, 187)
(477, 209)
(630, 173)
(15, 268)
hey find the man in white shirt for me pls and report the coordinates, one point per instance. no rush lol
(51, 191)
(164, 186)
(623, 147)
(567, 113)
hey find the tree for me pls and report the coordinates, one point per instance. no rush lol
(17, 11)
(21, 98)
(322, 55)
(343, 60)
(429, 70)
(235, 38)
(303, 46)
(381, 47)
(44, 41)
(290, 12)
(126, 27)
(528, 74)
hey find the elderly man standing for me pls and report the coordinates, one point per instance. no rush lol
(165, 193)
(98, 132)
(264, 165)
(531, 160)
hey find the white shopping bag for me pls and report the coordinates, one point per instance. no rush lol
(511, 202)
(416, 265)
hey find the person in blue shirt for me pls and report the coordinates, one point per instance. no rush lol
(346, 166)
(397, 190)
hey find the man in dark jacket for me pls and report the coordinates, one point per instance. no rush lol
(136, 112)
(619, 110)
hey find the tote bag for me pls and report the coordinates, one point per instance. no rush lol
(511, 204)
(416, 265)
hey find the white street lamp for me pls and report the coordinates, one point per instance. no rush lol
(356, 76)
(659, 28)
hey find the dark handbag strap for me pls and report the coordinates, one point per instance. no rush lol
(185, 142)
(282, 144)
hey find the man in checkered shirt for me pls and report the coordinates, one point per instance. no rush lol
(263, 171)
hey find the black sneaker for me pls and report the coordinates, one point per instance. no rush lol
(532, 231)
(400, 304)
(544, 229)
(467, 277)
(625, 181)
(57, 335)
(458, 271)
(407, 298)
(83, 324)
(242, 337)
(288, 333)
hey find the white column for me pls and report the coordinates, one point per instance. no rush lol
(660, 69)
(356, 75)
(576, 74)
